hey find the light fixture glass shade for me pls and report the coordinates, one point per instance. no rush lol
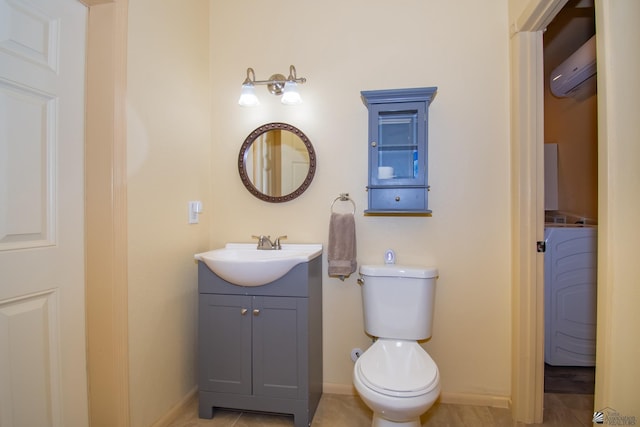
(291, 95)
(248, 96)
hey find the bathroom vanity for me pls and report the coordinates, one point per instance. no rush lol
(260, 347)
(398, 135)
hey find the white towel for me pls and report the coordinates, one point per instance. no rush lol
(342, 245)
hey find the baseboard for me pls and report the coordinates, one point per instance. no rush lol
(348, 389)
(177, 409)
(476, 399)
(332, 388)
(445, 397)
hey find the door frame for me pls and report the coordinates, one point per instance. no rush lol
(527, 195)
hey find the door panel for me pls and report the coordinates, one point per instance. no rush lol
(28, 360)
(42, 334)
(279, 343)
(225, 343)
(28, 171)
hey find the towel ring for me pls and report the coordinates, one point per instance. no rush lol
(344, 197)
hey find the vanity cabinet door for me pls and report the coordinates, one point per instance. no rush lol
(396, 149)
(280, 347)
(225, 343)
(253, 345)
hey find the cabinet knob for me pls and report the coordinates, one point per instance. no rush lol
(397, 198)
(243, 311)
(256, 311)
(374, 144)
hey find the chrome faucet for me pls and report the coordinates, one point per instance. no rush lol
(265, 243)
(277, 244)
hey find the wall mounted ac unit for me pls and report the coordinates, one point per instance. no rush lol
(577, 68)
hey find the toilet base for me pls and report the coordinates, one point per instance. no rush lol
(378, 421)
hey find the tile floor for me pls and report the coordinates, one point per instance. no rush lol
(561, 410)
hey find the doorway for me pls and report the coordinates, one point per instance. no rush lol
(571, 208)
(618, 209)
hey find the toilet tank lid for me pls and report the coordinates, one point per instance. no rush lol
(397, 270)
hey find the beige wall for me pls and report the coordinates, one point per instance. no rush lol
(461, 47)
(169, 150)
(617, 370)
(462, 50)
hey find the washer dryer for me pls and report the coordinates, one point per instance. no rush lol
(570, 273)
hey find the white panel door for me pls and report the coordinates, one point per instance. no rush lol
(42, 334)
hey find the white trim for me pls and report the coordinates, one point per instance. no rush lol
(537, 15)
(476, 399)
(178, 409)
(333, 388)
(527, 393)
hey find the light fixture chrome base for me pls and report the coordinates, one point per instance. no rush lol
(276, 84)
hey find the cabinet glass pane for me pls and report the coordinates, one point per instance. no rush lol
(397, 144)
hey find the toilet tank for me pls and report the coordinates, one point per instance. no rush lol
(398, 301)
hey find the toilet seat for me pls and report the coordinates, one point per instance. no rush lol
(397, 368)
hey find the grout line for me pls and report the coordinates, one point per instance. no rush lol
(237, 419)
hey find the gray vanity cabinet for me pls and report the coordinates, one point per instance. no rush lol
(260, 348)
(263, 337)
(398, 135)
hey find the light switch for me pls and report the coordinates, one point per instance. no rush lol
(195, 208)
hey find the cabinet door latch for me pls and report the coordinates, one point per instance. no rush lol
(541, 246)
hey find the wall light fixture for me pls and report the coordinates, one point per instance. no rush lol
(277, 85)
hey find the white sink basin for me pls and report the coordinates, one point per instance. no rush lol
(244, 265)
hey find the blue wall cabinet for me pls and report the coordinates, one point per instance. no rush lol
(398, 136)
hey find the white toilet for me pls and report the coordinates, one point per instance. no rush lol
(396, 377)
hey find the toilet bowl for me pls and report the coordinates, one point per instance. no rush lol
(398, 380)
(396, 377)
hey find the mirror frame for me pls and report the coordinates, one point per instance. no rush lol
(246, 146)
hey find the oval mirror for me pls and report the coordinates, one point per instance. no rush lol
(277, 162)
